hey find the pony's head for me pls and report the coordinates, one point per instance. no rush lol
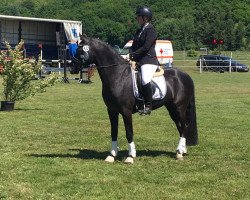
(95, 51)
(84, 53)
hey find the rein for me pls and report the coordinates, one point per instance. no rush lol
(112, 65)
(103, 66)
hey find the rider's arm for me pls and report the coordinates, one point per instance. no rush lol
(150, 39)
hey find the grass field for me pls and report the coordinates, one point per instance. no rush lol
(53, 146)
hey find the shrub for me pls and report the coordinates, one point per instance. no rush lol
(192, 53)
(19, 74)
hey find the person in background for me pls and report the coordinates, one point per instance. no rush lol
(72, 46)
(143, 53)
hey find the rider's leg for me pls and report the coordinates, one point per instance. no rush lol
(147, 93)
(147, 72)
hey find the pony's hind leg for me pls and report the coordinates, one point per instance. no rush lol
(113, 117)
(178, 115)
(189, 132)
(181, 148)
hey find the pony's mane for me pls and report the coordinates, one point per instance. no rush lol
(106, 45)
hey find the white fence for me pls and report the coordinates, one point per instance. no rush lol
(221, 65)
(216, 67)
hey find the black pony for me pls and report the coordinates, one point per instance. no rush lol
(117, 92)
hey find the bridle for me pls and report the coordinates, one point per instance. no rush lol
(85, 57)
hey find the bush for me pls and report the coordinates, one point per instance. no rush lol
(19, 74)
(192, 53)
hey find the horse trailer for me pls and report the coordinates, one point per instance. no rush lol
(45, 37)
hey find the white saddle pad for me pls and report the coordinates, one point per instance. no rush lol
(161, 89)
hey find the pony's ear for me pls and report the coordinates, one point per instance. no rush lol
(83, 36)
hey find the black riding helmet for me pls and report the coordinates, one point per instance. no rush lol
(144, 11)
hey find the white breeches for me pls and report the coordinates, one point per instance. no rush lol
(147, 73)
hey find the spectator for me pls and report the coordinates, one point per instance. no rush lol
(72, 48)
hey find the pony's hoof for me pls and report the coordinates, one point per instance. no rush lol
(110, 159)
(129, 160)
(179, 156)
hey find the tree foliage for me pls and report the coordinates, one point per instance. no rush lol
(189, 24)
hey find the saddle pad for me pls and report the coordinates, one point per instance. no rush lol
(160, 91)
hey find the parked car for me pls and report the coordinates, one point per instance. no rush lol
(220, 63)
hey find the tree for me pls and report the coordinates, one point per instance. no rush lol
(188, 23)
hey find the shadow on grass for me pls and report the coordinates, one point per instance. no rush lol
(92, 154)
(27, 109)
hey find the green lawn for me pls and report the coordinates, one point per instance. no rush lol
(53, 146)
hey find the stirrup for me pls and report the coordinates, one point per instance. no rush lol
(140, 109)
(146, 111)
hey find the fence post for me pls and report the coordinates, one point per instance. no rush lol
(65, 78)
(230, 65)
(200, 66)
(59, 66)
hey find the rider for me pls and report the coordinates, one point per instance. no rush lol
(143, 53)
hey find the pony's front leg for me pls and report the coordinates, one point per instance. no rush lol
(113, 117)
(127, 119)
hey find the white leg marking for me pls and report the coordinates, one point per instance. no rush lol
(131, 153)
(113, 152)
(181, 148)
(129, 160)
(131, 149)
(114, 148)
(110, 159)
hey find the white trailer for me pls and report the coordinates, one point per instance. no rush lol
(51, 35)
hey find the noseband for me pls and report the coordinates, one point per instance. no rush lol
(76, 60)
(85, 56)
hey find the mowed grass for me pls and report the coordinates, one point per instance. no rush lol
(53, 146)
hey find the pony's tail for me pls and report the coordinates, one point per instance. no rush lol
(191, 133)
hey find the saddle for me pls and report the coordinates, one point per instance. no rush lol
(158, 84)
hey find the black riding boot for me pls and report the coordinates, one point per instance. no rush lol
(140, 107)
(147, 94)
